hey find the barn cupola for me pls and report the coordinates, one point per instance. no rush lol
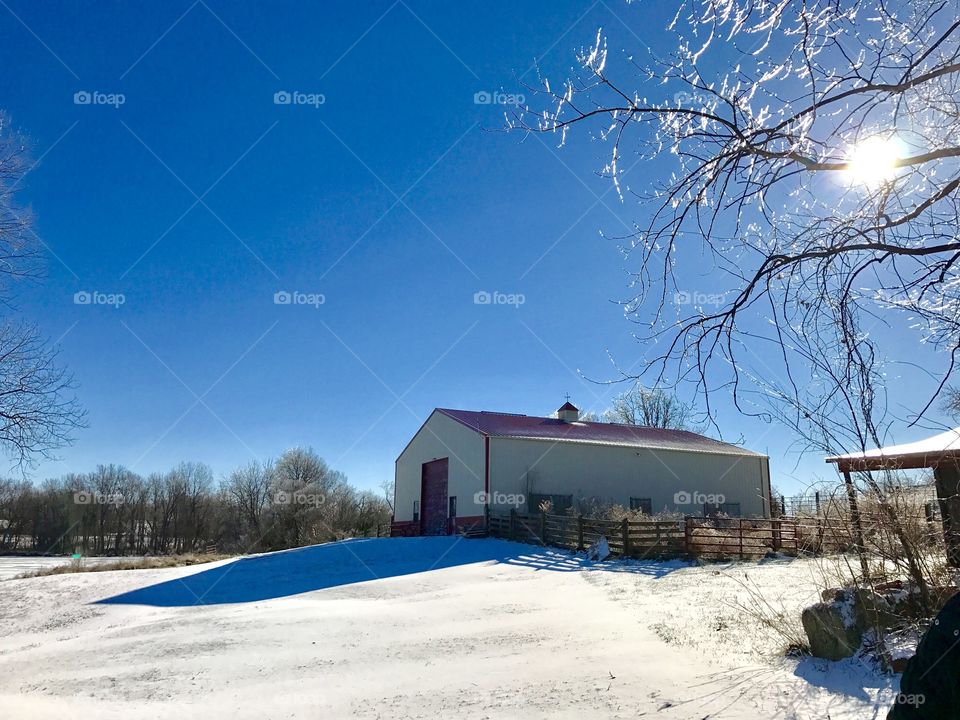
(568, 412)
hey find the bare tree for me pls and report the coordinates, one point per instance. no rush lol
(388, 488)
(249, 489)
(38, 412)
(650, 407)
(806, 150)
(115, 511)
(951, 402)
(308, 498)
(806, 154)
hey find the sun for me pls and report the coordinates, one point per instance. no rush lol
(874, 160)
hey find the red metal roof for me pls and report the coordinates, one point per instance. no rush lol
(496, 424)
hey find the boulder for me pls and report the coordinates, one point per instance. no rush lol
(832, 630)
(873, 610)
(830, 594)
(837, 626)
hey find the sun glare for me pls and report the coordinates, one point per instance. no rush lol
(874, 160)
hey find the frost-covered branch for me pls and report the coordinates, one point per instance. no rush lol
(819, 165)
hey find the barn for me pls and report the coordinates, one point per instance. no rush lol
(462, 465)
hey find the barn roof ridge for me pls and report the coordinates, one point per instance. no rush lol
(532, 427)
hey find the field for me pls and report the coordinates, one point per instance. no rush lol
(11, 567)
(419, 628)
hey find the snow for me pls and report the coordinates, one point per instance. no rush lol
(902, 645)
(418, 628)
(12, 566)
(600, 550)
(948, 441)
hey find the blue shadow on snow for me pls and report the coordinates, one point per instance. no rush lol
(317, 567)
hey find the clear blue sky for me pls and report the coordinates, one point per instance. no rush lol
(199, 198)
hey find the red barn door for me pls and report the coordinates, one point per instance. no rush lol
(433, 498)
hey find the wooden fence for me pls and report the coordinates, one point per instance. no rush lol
(711, 538)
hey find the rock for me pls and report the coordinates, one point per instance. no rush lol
(837, 627)
(832, 630)
(873, 610)
(830, 594)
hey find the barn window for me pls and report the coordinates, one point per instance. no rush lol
(416, 511)
(645, 505)
(731, 509)
(453, 506)
(559, 503)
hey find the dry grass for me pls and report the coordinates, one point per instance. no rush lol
(146, 563)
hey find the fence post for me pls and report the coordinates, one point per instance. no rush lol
(688, 535)
(579, 532)
(513, 524)
(816, 499)
(740, 533)
(857, 526)
(626, 538)
(775, 526)
(543, 528)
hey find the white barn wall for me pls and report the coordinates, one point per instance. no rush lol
(613, 474)
(441, 437)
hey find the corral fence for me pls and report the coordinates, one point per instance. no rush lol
(919, 499)
(711, 538)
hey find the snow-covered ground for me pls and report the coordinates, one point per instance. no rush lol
(416, 628)
(12, 566)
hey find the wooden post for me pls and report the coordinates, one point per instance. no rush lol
(579, 532)
(816, 499)
(740, 533)
(775, 526)
(857, 525)
(626, 538)
(543, 527)
(688, 535)
(513, 524)
(947, 480)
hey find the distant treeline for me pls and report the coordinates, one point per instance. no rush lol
(296, 500)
